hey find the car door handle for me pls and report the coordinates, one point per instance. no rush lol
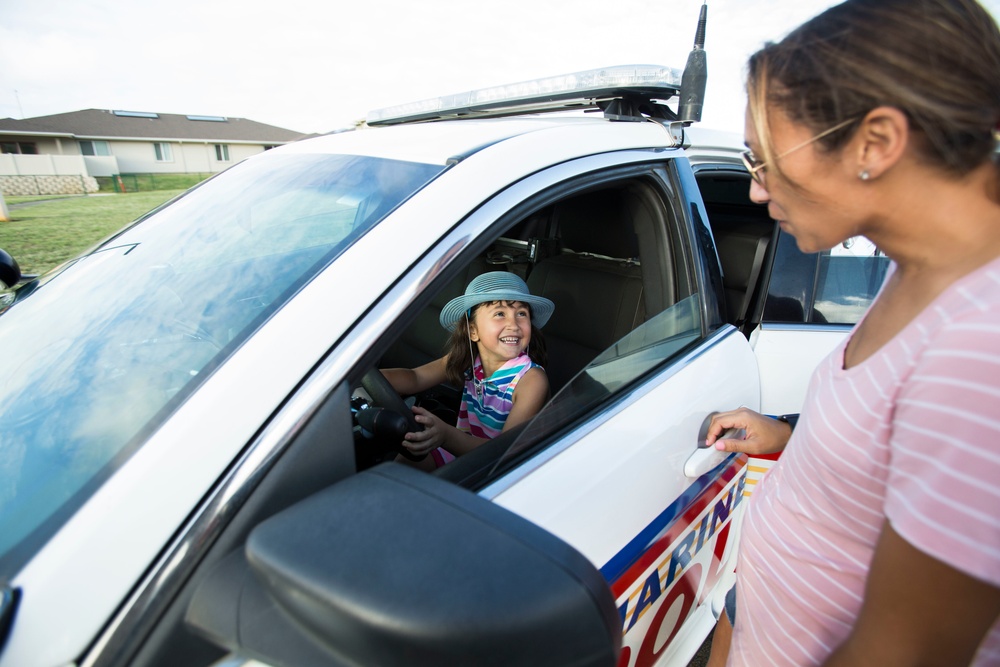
(705, 458)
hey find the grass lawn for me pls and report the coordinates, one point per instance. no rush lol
(43, 235)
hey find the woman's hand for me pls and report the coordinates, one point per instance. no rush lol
(433, 436)
(763, 435)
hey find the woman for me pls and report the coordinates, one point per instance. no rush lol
(876, 537)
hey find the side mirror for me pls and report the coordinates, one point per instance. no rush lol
(10, 272)
(397, 567)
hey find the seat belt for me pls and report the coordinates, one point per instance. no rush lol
(758, 262)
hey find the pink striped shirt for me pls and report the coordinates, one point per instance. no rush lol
(912, 435)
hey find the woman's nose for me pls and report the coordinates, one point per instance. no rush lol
(758, 193)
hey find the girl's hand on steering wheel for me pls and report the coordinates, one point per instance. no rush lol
(432, 437)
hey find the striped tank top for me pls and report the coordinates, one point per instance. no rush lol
(484, 412)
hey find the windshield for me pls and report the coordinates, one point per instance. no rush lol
(101, 354)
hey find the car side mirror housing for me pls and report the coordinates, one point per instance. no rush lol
(397, 567)
(10, 272)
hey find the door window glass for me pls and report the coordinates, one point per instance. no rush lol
(831, 287)
(648, 347)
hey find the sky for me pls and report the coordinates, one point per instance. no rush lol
(321, 65)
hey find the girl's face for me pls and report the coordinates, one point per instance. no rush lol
(502, 330)
(813, 197)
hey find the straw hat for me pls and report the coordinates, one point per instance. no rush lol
(496, 286)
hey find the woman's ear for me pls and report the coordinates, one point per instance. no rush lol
(881, 141)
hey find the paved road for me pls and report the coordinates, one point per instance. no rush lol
(701, 657)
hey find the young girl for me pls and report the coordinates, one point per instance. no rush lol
(496, 353)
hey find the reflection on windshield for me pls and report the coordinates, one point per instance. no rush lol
(95, 360)
(645, 348)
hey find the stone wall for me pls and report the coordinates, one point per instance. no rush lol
(19, 186)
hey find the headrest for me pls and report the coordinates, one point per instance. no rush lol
(599, 223)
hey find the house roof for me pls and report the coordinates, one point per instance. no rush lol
(107, 124)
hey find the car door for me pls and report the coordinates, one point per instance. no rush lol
(811, 302)
(627, 484)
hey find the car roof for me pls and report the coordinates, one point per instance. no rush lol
(450, 141)
(440, 142)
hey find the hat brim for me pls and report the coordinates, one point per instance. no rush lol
(541, 308)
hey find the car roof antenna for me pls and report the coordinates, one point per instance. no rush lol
(692, 96)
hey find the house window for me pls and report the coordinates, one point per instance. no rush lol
(95, 148)
(19, 147)
(162, 152)
(222, 152)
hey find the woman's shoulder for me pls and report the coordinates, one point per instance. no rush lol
(973, 298)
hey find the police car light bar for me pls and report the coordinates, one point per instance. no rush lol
(581, 90)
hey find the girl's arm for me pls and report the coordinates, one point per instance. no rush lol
(436, 434)
(409, 381)
(529, 396)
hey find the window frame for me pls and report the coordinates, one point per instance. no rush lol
(686, 233)
(222, 153)
(95, 146)
(162, 151)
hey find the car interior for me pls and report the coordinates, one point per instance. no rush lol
(606, 256)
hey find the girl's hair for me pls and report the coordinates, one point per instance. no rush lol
(937, 61)
(459, 347)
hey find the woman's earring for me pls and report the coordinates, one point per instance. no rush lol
(864, 175)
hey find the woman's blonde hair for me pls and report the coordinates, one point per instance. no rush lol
(937, 61)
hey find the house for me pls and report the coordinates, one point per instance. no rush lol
(66, 152)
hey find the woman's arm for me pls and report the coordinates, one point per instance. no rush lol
(917, 610)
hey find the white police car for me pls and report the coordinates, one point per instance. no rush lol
(182, 481)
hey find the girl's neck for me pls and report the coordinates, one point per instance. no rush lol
(492, 366)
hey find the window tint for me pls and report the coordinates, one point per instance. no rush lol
(832, 287)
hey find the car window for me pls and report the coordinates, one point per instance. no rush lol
(145, 318)
(831, 287)
(617, 369)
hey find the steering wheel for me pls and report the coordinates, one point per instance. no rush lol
(384, 396)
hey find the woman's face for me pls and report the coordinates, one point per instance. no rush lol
(813, 198)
